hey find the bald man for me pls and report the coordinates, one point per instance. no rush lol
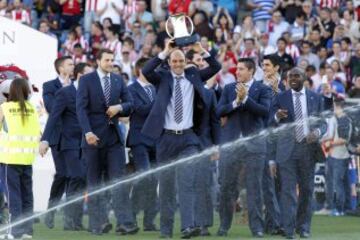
(175, 120)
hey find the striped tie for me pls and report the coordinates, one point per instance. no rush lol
(299, 120)
(107, 90)
(178, 116)
(149, 93)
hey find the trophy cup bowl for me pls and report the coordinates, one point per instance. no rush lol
(182, 37)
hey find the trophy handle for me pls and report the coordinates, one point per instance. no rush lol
(191, 23)
(167, 29)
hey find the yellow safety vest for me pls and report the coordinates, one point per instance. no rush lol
(19, 142)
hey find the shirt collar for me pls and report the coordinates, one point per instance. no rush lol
(76, 84)
(102, 74)
(249, 83)
(61, 80)
(143, 84)
(175, 75)
(302, 91)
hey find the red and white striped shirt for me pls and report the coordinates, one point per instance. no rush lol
(84, 43)
(79, 59)
(21, 15)
(90, 5)
(293, 51)
(115, 47)
(328, 3)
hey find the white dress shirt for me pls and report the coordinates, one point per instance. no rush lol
(101, 75)
(303, 109)
(187, 91)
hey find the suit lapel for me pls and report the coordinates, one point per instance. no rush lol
(97, 85)
(113, 82)
(141, 92)
(290, 104)
(58, 83)
(309, 101)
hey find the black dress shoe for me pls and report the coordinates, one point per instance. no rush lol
(49, 219)
(79, 228)
(304, 234)
(96, 232)
(106, 227)
(195, 232)
(290, 236)
(151, 228)
(258, 235)
(204, 232)
(186, 234)
(222, 233)
(276, 231)
(127, 229)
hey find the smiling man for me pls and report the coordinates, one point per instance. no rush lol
(296, 151)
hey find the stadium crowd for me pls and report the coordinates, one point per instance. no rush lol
(294, 59)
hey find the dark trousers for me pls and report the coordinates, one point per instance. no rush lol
(272, 208)
(144, 194)
(181, 178)
(113, 157)
(18, 184)
(204, 216)
(230, 167)
(296, 210)
(59, 183)
(75, 172)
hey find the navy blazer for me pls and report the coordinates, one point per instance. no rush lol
(142, 107)
(248, 118)
(50, 88)
(286, 138)
(64, 111)
(164, 82)
(91, 108)
(210, 130)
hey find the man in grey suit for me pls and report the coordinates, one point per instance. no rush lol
(295, 151)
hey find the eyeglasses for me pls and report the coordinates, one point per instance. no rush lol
(125, 53)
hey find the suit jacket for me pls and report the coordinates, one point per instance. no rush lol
(49, 90)
(64, 111)
(247, 118)
(142, 107)
(91, 108)
(210, 130)
(286, 138)
(164, 82)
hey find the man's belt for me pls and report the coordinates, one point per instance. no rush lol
(178, 132)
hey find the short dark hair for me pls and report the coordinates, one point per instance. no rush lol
(249, 63)
(79, 68)
(310, 68)
(113, 29)
(102, 52)
(190, 54)
(98, 25)
(346, 39)
(339, 101)
(301, 14)
(305, 42)
(273, 58)
(77, 45)
(59, 62)
(250, 39)
(281, 39)
(140, 63)
(130, 41)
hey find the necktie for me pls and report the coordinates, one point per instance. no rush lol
(178, 115)
(299, 120)
(107, 90)
(149, 92)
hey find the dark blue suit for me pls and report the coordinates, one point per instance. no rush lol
(59, 182)
(244, 120)
(209, 136)
(171, 146)
(144, 192)
(296, 162)
(109, 154)
(64, 112)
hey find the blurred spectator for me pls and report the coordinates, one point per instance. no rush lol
(129, 44)
(247, 29)
(110, 9)
(202, 25)
(107, 22)
(96, 38)
(306, 53)
(355, 90)
(265, 47)
(71, 13)
(141, 15)
(276, 27)
(19, 13)
(339, 33)
(291, 47)
(53, 16)
(126, 64)
(314, 76)
(299, 29)
(89, 14)
(337, 88)
(316, 40)
(79, 55)
(3, 7)
(322, 54)
(307, 8)
(354, 62)
(351, 25)
(325, 24)
(159, 9)
(68, 46)
(339, 71)
(286, 61)
(80, 38)
(249, 50)
(223, 21)
(261, 12)
(137, 36)
(179, 6)
(290, 9)
(113, 43)
(44, 28)
(337, 55)
(116, 69)
(203, 5)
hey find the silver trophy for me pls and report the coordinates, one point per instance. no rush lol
(181, 35)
